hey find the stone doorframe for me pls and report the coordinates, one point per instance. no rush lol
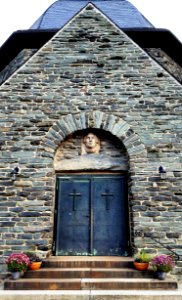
(99, 120)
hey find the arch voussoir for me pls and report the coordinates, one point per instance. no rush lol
(100, 120)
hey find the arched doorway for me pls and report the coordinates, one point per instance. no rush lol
(91, 215)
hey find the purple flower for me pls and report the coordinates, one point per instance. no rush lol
(17, 262)
(163, 263)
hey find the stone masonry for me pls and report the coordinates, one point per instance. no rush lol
(164, 60)
(113, 156)
(16, 63)
(90, 75)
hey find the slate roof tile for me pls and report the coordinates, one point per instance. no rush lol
(121, 12)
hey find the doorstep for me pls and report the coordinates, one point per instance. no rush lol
(93, 295)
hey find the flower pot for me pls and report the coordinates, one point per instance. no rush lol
(15, 275)
(161, 275)
(35, 265)
(141, 266)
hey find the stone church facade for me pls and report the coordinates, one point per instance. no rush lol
(90, 77)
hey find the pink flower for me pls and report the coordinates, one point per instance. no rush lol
(17, 262)
(164, 263)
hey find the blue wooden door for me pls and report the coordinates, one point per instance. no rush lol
(92, 215)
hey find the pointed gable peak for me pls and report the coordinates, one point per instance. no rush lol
(99, 24)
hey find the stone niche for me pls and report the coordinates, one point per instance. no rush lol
(112, 154)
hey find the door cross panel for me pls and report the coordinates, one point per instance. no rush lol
(107, 197)
(74, 194)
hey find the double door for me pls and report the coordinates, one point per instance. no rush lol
(91, 215)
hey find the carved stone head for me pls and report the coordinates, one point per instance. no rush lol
(90, 144)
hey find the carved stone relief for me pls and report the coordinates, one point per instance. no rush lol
(82, 152)
(90, 144)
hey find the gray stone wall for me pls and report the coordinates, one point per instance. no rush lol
(16, 63)
(90, 75)
(163, 59)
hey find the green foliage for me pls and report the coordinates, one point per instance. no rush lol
(17, 262)
(143, 257)
(33, 257)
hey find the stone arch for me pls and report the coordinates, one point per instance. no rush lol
(115, 125)
(99, 120)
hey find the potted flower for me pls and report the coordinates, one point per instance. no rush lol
(17, 263)
(141, 260)
(162, 264)
(35, 261)
(43, 251)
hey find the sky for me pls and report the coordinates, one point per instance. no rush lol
(21, 14)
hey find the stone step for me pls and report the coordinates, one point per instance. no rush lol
(90, 284)
(88, 273)
(87, 262)
(92, 295)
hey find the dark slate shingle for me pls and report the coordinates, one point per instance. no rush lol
(121, 12)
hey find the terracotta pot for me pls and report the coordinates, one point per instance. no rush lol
(35, 265)
(141, 266)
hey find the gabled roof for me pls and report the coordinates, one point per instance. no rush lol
(121, 12)
(145, 37)
(85, 33)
